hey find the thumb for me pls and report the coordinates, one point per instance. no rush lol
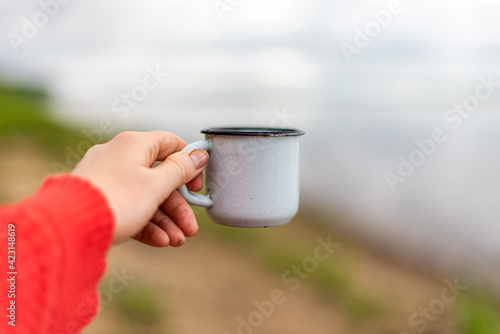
(181, 167)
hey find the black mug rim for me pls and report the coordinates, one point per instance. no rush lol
(253, 131)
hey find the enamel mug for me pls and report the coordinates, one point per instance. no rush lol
(252, 179)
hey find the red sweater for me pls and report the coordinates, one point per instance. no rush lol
(58, 242)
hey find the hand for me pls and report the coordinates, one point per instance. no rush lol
(144, 200)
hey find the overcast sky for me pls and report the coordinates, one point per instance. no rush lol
(432, 32)
(429, 51)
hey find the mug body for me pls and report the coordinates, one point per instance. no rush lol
(253, 177)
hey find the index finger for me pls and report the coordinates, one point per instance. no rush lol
(164, 144)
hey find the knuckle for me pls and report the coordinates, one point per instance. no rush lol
(125, 135)
(163, 221)
(180, 209)
(160, 133)
(95, 149)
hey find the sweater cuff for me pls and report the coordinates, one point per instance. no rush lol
(83, 225)
(81, 205)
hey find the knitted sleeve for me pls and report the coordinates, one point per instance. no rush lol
(52, 255)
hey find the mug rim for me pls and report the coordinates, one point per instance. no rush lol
(253, 131)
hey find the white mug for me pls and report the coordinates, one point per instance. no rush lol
(252, 179)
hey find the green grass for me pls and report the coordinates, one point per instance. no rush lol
(479, 314)
(139, 304)
(140, 309)
(24, 114)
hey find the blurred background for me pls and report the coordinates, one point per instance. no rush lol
(366, 80)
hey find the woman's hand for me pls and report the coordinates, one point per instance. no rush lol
(144, 200)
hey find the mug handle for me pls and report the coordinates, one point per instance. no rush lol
(189, 196)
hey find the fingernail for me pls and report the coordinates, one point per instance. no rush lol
(200, 158)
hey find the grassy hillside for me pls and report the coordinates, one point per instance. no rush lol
(24, 114)
(212, 280)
